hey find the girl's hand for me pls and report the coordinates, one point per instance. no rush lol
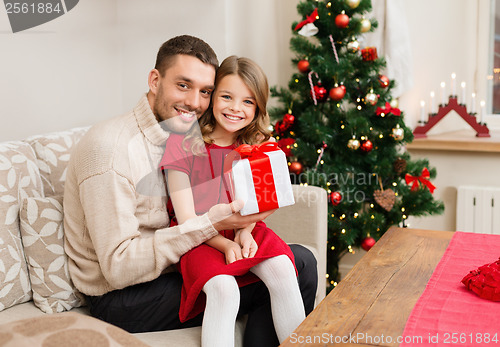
(232, 251)
(245, 239)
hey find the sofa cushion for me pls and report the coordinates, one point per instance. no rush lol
(52, 152)
(42, 236)
(19, 178)
(65, 329)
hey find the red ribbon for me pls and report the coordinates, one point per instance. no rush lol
(416, 180)
(309, 19)
(262, 173)
(388, 109)
(252, 151)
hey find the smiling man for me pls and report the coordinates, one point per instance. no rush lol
(122, 252)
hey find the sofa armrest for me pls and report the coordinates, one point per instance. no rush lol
(305, 223)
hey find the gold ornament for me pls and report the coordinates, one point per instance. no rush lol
(366, 25)
(398, 133)
(353, 143)
(394, 103)
(353, 3)
(371, 98)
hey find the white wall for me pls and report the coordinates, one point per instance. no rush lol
(92, 63)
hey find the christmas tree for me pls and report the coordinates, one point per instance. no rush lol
(342, 130)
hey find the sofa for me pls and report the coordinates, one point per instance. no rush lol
(38, 301)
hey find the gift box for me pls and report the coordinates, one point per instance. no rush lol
(369, 53)
(260, 178)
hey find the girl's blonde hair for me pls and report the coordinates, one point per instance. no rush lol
(255, 79)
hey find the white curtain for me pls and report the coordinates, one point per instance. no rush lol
(392, 39)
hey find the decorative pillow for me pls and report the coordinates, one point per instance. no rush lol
(52, 152)
(485, 281)
(19, 178)
(42, 235)
(65, 329)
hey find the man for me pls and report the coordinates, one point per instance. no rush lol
(122, 254)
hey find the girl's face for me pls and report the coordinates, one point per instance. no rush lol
(234, 107)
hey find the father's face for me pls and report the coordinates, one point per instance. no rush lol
(183, 93)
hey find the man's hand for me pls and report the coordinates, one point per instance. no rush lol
(227, 216)
(244, 238)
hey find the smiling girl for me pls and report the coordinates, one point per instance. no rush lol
(213, 272)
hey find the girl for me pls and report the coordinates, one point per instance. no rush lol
(213, 271)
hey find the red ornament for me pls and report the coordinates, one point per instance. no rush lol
(288, 119)
(320, 92)
(337, 92)
(280, 128)
(366, 146)
(286, 145)
(335, 198)
(383, 80)
(367, 243)
(342, 20)
(369, 53)
(303, 66)
(295, 167)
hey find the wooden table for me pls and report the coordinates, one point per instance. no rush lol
(371, 304)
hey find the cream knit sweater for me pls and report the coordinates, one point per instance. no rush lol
(115, 218)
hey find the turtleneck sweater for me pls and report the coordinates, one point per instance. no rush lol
(116, 223)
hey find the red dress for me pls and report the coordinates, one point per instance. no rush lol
(202, 263)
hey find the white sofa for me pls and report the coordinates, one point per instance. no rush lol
(35, 286)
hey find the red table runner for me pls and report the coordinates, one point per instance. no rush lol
(447, 313)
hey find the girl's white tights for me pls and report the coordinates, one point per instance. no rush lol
(223, 301)
(287, 307)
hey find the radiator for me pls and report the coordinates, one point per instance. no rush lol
(478, 209)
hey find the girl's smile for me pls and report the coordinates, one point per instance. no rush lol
(234, 107)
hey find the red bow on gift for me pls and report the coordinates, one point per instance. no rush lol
(388, 109)
(309, 19)
(247, 151)
(416, 180)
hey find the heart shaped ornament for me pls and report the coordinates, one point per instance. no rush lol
(385, 198)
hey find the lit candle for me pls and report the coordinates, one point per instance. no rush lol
(433, 103)
(443, 93)
(422, 111)
(453, 85)
(462, 94)
(473, 103)
(481, 114)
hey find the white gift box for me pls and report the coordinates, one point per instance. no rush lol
(262, 182)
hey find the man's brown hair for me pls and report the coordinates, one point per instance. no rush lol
(187, 45)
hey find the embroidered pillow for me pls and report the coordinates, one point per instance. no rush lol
(52, 152)
(42, 234)
(19, 178)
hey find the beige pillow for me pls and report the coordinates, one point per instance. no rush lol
(19, 178)
(65, 329)
(42, 234)
(52, 152)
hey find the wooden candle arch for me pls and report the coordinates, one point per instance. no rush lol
(480, 128)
